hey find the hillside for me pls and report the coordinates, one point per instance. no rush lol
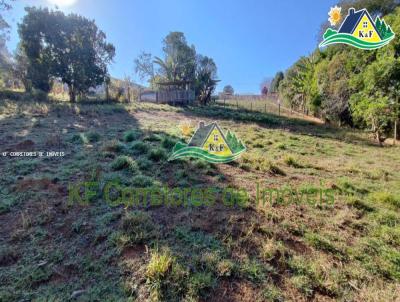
(55, 248)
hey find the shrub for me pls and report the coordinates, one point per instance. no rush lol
(124, 162)
(144, 164)
(168, 143)
(93, 136)
(140, 147)
(130, 136)
(157, 154)
(153, 138)
(80, 139)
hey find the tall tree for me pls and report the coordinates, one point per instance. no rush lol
(73, 49)
(180, 65)
(228, 90)
(377, 102)
(179, 62)
(20, 68)
(276, 81)
(206, 78)
(5, 56)
(144, 66)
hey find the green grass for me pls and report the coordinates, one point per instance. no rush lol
(346, 252)
(124, 162)
(131, 135)
(157, 154)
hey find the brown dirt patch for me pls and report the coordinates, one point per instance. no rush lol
(228, 291)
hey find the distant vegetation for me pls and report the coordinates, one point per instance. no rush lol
(349, 86)
(181, 66)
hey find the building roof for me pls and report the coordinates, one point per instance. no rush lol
(202, 133)
(353, 18)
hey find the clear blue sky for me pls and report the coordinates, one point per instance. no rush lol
(249, 40)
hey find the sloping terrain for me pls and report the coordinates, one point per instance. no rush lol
(53, 248)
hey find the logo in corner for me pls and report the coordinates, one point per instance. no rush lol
(209, 143)
(358, 30)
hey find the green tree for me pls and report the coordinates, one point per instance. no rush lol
(276, 81)
(377, 102)
(5, 56)
(20, 68)
(206, 78)
(144, 66)
(72, 49)
(179, 62)
(180, 65)
(299, 86)
(228, 90)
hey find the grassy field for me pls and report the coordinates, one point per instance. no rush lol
(267, 105)
(51, 250)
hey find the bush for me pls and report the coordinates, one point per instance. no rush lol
(131, 135)
(124, 162)
(144, 164)
(93, 136)
(79, 139)
(140, 147)
(157, 154)
(153, 138)
(168, 143)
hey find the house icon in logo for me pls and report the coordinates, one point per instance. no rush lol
(359, 30)
(211, 139)
(209, 143)
(360, 25)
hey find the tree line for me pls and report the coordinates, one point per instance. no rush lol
(346, 85)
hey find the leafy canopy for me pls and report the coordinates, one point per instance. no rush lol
(72, 49)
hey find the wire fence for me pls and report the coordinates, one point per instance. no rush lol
(263, 105)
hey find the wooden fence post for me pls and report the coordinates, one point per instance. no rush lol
(237, 105)
(251, 106)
